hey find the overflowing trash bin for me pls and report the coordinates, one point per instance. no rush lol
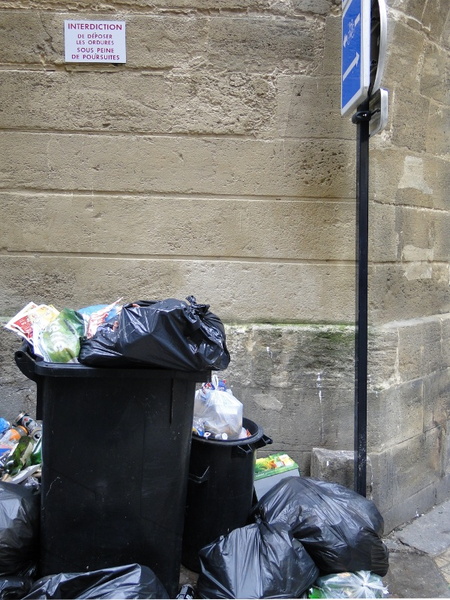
(115, 465)
(220, 491)
(115, 393)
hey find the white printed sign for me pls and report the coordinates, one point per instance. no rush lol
(95, 41)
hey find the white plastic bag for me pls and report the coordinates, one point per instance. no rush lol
(217, 412)
(360, 584)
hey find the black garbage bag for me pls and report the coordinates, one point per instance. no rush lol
(340, 529)
(170, 333)
(127, 581)
(19, 529)
(13, 587)
(255, 561)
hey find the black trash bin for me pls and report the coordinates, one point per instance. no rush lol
(220, 489)
(115, 466)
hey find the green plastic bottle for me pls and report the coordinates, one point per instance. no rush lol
(36, 455)
(315, 592)
(20, 456)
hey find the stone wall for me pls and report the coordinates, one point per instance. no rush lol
(409, 395)
(215, 162)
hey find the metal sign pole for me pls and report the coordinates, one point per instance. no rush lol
(361, 118)
(364, 38)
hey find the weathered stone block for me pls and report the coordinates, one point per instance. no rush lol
(133, 101)
(264, 229)
(413, 131)
(407, 508)
(296, 420)
(435, 19)
(84, 280)
(407, 469)
(382, 357)
(170, 40)
(415, 231)
(408, 233)
(419, 348)
(423, 235)
(182, 6)
(438, 131)
(402, 350)
(411, 9)
(442, 490)
(438, 173)
(260, 44)
(436, 392)
(320, 7)
(405, 53)
(408, 291)
(297, 382)
(17, 391)
(394, 415)
(410, 181)
(441, 238)
(383, 237)
(432, 83)
(153, 41)
(414, 181)
(174, 165)
(43, 44)
(445, 339)
(308, 107)
(336, 466)
(331, 64)
(166, 41)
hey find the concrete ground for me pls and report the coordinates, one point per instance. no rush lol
(419, 557)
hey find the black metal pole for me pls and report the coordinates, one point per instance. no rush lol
(361, 118)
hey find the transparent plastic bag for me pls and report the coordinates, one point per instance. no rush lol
(217, 411)
(59, 341)
(361, 584)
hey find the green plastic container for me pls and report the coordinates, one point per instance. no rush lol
(269, 470)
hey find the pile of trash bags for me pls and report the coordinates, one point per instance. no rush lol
(169, 334)
(308, 537)
(305, 538)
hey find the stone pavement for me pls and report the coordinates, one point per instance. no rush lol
(419, 557)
